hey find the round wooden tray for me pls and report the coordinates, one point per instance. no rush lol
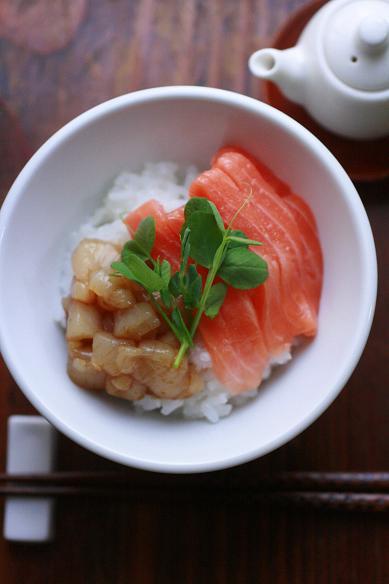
(364, 160)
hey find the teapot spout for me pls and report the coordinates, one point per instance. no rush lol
(285, 68)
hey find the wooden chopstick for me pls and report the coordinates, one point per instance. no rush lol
(320, 490)
(281, 481)
(377, 502)
(349, 501)
(354, 481)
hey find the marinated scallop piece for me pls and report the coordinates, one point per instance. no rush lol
(91, 255)
(84, 321)
(170, 339)
(105, 351)
(158, 352)
(113, 292)
(108, 322)
(196, 384)
(82, 372)
(127, 357)
(118, 385)
(80, 349)
(82, 292)
(125, 387)
(140, 293)
(163, 381)
(135, 322)
(151, 336)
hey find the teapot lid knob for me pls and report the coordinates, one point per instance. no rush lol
(356, 43)
(373, 33)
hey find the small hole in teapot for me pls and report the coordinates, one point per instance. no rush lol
(354, 59)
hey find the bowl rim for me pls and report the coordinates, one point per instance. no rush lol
(355, 206)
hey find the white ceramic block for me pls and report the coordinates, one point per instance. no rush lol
(30, 449)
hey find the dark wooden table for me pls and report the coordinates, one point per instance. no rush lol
(58, 58)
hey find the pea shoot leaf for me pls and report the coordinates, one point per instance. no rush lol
(131, 247)
(175, 285)
(192, 288)
(238, 238)
(185, 250)
(205, 237)
(198, 204)
(143, 241)
(243, 269)
(165, 271)
(123, 270)
(144, 275)
(145, 234)
(215, 299)
(181, 326)
(166, 297)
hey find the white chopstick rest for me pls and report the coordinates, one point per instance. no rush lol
(30, 449)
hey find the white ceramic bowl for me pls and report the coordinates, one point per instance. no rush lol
(61, 184)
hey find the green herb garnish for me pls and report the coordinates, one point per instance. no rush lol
(223, 251)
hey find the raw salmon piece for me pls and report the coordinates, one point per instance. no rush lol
(235, 343)
(304, 219)
(313, 257)
(282, 188)
(151, 207)
(167, 240)
(296, 264)
(300, 208)
(219, 188)
(175, 221)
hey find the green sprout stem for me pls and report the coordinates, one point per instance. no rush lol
(204, 297)
(164, 315)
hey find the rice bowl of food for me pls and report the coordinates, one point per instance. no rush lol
(174, 308)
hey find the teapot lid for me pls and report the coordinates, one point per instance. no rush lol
(356, 44)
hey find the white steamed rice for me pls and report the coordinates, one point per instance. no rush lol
(162, 181)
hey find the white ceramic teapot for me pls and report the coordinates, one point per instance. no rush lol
(339, 69)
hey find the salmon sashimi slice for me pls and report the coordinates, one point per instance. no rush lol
(220, 189)
(275, 216)
(168, 225)
(235, 343)
(302, 214)
(282, 188)
(313, 257)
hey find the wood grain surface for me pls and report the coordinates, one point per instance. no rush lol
(58, 58)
